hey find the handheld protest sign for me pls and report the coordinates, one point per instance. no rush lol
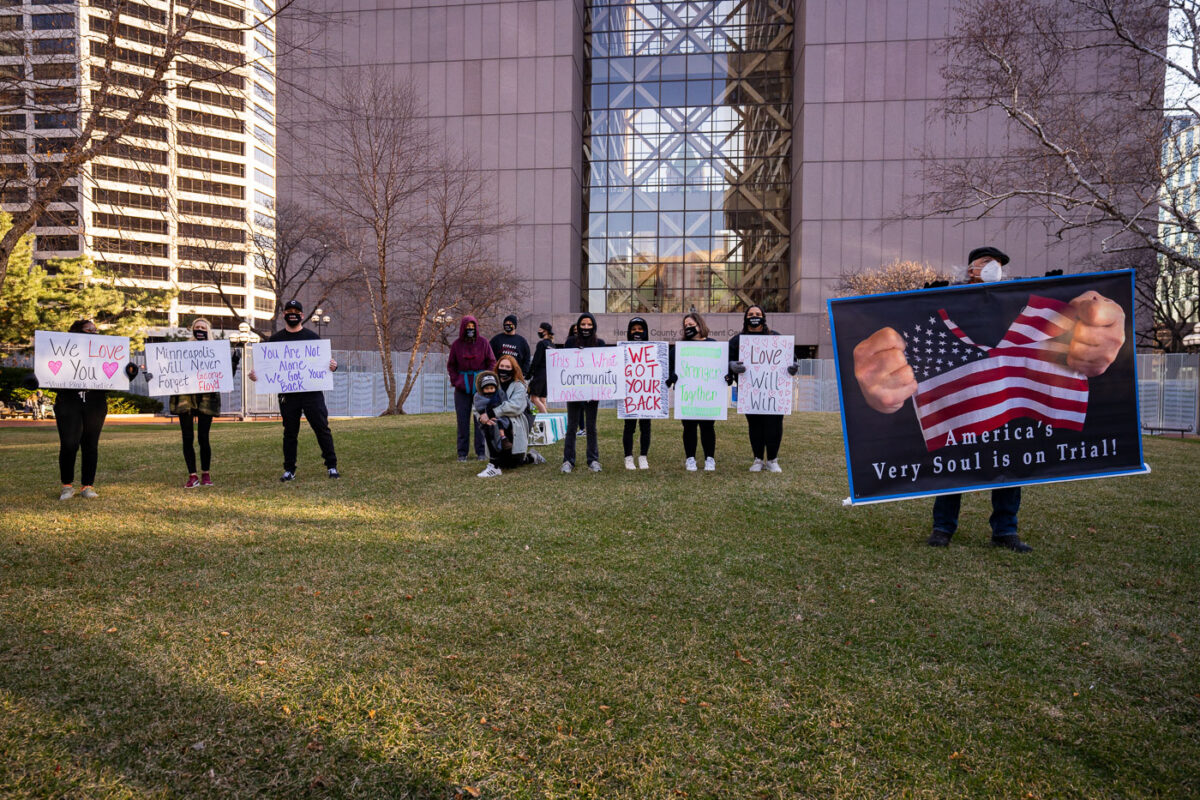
(589, 373)
(297, 366)
(987, 385)
(644, 372)
(80, 361)
(189, 367)
(765, 387)
(700, 391)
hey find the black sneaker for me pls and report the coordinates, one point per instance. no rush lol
(939, 538)
(1011, 542)
(333, 473)
(287, 475)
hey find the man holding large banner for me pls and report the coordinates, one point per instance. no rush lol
(301, 391)
(1022, 382)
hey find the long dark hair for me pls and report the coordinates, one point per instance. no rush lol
(78, 325)
(701, 325)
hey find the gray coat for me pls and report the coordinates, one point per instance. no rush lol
(514, 408)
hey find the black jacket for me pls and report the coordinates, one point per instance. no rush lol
(735, 343)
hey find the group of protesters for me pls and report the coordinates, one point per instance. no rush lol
(498, 383)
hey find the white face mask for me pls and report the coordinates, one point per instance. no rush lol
(991, 272)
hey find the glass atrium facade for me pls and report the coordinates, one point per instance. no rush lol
(687, 149)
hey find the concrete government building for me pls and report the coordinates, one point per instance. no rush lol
(661, 156)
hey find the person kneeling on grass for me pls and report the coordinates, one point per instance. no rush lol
(489, 395)
(514, 450)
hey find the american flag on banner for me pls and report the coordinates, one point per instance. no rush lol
(964, 387)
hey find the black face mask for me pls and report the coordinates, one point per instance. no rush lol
(199, 334)
(755, 322)
(470, 333)
(638, 336)
(542, 334)
(505, 374)
(690, 331)
(586, 333)
(509, 327)
(292, 319)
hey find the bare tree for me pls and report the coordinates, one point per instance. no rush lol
(299, 255)
(1076, 87)
(418, 233)
(898, 276)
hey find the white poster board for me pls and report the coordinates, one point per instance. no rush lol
(765, 387)
(578, 374)
(80, 361)
(701, 391)
(298, 366)
(189, 367)
(644, 370)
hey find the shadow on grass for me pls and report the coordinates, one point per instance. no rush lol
(119, 731)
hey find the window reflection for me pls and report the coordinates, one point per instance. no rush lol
(688, 155)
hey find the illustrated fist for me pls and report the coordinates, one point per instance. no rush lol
(882, 371)
(1098, 336)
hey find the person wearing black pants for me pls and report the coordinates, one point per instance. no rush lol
(696, 330)
(80, 419)
(470, 354)
(638, 331)
(294, 404)
(582, 412)
(766, 430)
(196, 413)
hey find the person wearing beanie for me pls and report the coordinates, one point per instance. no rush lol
(511, 343)
(470, 354)
(695, 330)
(581, 414)
(537, 368)
(637, 331)
(310, 404)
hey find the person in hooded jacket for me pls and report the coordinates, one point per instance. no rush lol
(469, 355)
(537, 369)
(581, 414)
(695, 330)
(512, 343)
(766, 430)
(637, 331)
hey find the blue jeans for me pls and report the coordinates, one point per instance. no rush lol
(1005, 505)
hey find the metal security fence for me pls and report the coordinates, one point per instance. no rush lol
(1168, 384)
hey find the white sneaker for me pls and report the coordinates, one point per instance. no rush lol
(643, 463)
(491, 471)
(67, 493)
(757, 465)
(690, 465)
(773, 466)
(594, 466)
(88, 493)
(629, 462)
(710, 464)
(566, 467)
(536, 457)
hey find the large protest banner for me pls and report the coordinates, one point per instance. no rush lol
(589, 373)
(700, 391)
(644, 371)
(997, 395)
(80, 361)
(765, 387)
(189, 367)
(300, 366)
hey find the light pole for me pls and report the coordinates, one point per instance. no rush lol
(244, 336)
(320, 319)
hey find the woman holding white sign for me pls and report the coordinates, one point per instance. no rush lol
(637, 331)
(202, 408)
(695, 330)
(766, 430)
(581, 414)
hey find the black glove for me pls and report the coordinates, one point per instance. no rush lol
(672, 379)
(737, 367)
(793, 368)
(235, 358)
(131, 370)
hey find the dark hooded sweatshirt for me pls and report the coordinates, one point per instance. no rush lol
(592, 341)
(735, 344)
(468, 357)
(512, 344)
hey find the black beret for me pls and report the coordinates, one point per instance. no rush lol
(980, 252)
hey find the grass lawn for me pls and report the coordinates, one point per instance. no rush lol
(413, 631)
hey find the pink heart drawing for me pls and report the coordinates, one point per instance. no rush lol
(54, 366)
(110, 367)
